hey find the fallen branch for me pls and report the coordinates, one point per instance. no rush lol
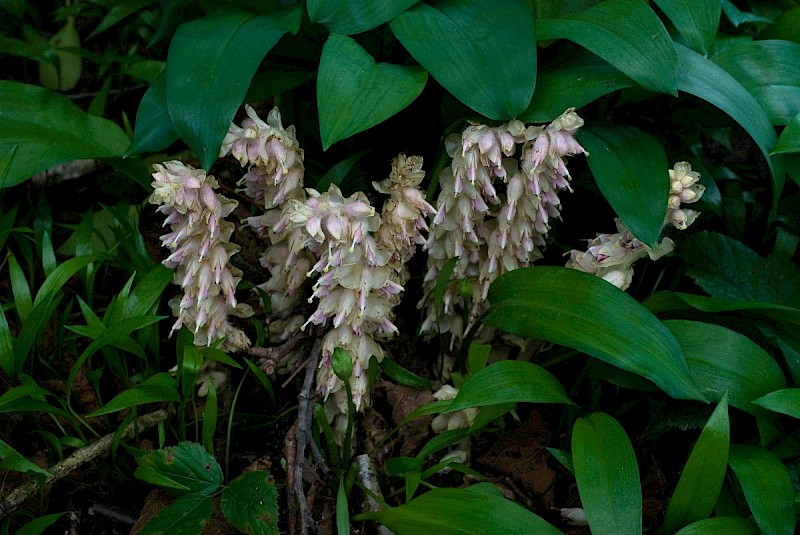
(80, 457)
(269, 357)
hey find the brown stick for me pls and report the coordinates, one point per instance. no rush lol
(269, 357)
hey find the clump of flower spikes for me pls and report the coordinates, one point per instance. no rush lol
(611, 256)
(490, 235)
(201, 250)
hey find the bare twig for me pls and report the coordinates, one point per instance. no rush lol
(80, 457)
(295, 372)
(269, 357)
(104, 510)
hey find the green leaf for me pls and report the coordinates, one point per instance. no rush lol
(770, 71)
(724, 525)
(148, 291)
(630, 167)
(277, 80)
(477, 356)
(722, 360)
(649, 62)
(65, 73)
(154, 129)
(402, 375)
(696, 20)
(7, 360)
(704, 79)
(460, 511)
(564, 457)
(703, 474)
(250, 504)
(354, 93)
(573, 84)
(789, 140)
(19, 286)
(467, 47)
(607, 475)
(767, 488)
(578, 310)
(509, 381)
(209, 67)
(187, 465)
(27, 398)
(210, 418)
(185, 516)
(784, 401)
(337, 173)
(11, 459)
(786, 26)
(262, 378)
(156, 389)
(119, 12)
(39, 525)
(739, 17)
(47, 128)
(347, 17)
(727, 268)
(342, 510)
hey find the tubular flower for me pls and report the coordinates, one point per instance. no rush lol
(611, 256)
(491, 232)
(201, 250)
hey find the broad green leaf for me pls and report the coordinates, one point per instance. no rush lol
(631, 169)
(477, 356)
(27, 398)
(649, 62)
(441, 441)
(46, 128)
(789, 140)
(786, 26)
(722, 360)
(578, 310)
(696, 20)
(484, 57)
(767, 488)
(277, 79)
(11, 459)
(770, 71)
(347, 17)
(154, 129)
(785, 401)
(185, 516)
(66, 72)
(148, 291)
(209, 67)
(572, 85)
(607, 475)
(723, 525)
(739, 17)
(402, 375)
(250, 504)
(668, 301)
(354, 93)
(509, 381)
(187, 464)
(727, 268)
(158, 388)
(39, 525)
(703, 474)
(706, 80)
(460, 511)
(120, 12)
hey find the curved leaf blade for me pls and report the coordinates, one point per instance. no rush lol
(185, 516)
(789, 140)
(187, 465)
(650, 62)
(347, 17)
(607, 475)
(250, 503)
(460, 43)
(571, 308)
(723, 525)
(696, 20)
(154, 130)
(355, 93)
(785, 401)
(158, 388)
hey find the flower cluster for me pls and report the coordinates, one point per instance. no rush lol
(490, 235)
(611, 256)
(201, 249)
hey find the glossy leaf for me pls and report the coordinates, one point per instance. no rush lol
(250, 503)
(578, 310)
(354, 93)
(148, 291)
(767, 488)
(11, 459)
(573, 84)
(668, 301)
(770, 71)
(722, 360)
(460, 511)
(649, 62)
(188, 467)
(727, 268)
(789, 140)
(739, 17)
(158, 388)
(209, 67)
(44, 128)
(468, 47)
(703, 474)
(786, 26)
(704, 79)
(347, 17)
(785, 401)
(723, 525)
(154, 129)
(509, 381)
(607, 475)
(630, 167)
(185, 516)
(696, 20)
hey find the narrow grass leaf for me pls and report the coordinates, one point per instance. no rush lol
(188, 464)
(607, 475)
(571, 308)
(402, 375)
(347, 17)
(156, 389)
(56, 280)
(7, 360)
(696, 20)
(703, 474)
(722, 525)
(148, 291)
(250, 503)
(39, 525)
(767, 488)
(342, 511)
(185, 516)
(19, 287)
(784, 401)
(460, 511)
(11, 459)
(509, 381)
(667, 301)
(210, 418)
(564, 457)
(458, 42)
(721, 360)
(262, 378)
(120, 12)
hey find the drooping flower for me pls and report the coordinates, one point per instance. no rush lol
(683, 189)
